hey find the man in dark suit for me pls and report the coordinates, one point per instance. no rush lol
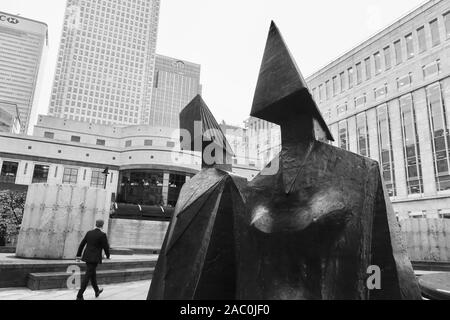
(95, 241)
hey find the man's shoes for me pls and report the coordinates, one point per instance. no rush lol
(98, 293)
(80, 298)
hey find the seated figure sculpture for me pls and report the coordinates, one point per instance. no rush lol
(198, 258)
(318, 217)
(311, 225)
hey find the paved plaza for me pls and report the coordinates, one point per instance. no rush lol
(120, 291)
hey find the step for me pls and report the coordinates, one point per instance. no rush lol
(58, 280)
(121, 251)
(146, 250)
(15, 273)
(7, 249)
(443, 266)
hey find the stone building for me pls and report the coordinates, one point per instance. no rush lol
(389, 99)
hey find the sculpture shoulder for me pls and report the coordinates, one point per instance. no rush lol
(203, 182)
(348, 157)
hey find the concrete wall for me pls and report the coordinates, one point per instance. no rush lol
(57, 217)
(137, 234)
(427, 239)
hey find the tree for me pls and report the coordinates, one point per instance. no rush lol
(12, 204)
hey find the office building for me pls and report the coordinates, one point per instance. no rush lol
(389, 99)
(176, 83)
(23, 48)
(105, 66)
(9, 118)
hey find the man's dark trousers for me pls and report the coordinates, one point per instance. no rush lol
(91, 275)
(95, 242)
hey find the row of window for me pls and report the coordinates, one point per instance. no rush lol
(346, 79)
(9, 171)
(381, 92)
(101, 142)
(440, 139)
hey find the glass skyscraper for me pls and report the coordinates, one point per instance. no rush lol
(23, 44)
(106, 59)
(176, 83)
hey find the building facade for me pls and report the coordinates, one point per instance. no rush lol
(23, 48)
(389, 99)
(9, 118)
(106, 60)
(145, 164)
(264, 141)
(176, 83)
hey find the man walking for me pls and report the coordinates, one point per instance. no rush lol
(95, 241)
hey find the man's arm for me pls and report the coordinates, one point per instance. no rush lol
(106, 245)
(81, 247)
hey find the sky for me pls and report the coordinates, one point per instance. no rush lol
(227, 38)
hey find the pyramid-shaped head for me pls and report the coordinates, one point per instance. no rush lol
(200, 132)
(282, 93)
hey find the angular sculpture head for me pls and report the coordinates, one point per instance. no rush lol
(200, 132)
(282, 96)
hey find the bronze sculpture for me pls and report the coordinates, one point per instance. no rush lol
(316, 226)
(309, 226)
(197, 260)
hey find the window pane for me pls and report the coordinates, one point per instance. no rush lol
(328, 90)
(342, 78)
(176, 182)
(368, 68)
(70, 176)
(360, 101)
(97, 179)
(362, 135)
(341, 109)
(40, 174)
(411, 146)
(431, 70)
(350, 78)
(358, 73)
(9, 172)
(440, 134)
(381, 92)
(422, 39)
(377, 58)
(385, 146)
(404, 81)
(447, 24)
(387, 57)
(409, 46)
(398, 52)
(49, 135)
(335, 86)
(435, 38)
(343, 135)
(142, 187)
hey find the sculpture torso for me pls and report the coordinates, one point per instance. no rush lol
(309, 239)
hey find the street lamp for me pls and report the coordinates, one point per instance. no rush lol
(106, 173)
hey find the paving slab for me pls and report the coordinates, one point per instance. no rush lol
(137, 290)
